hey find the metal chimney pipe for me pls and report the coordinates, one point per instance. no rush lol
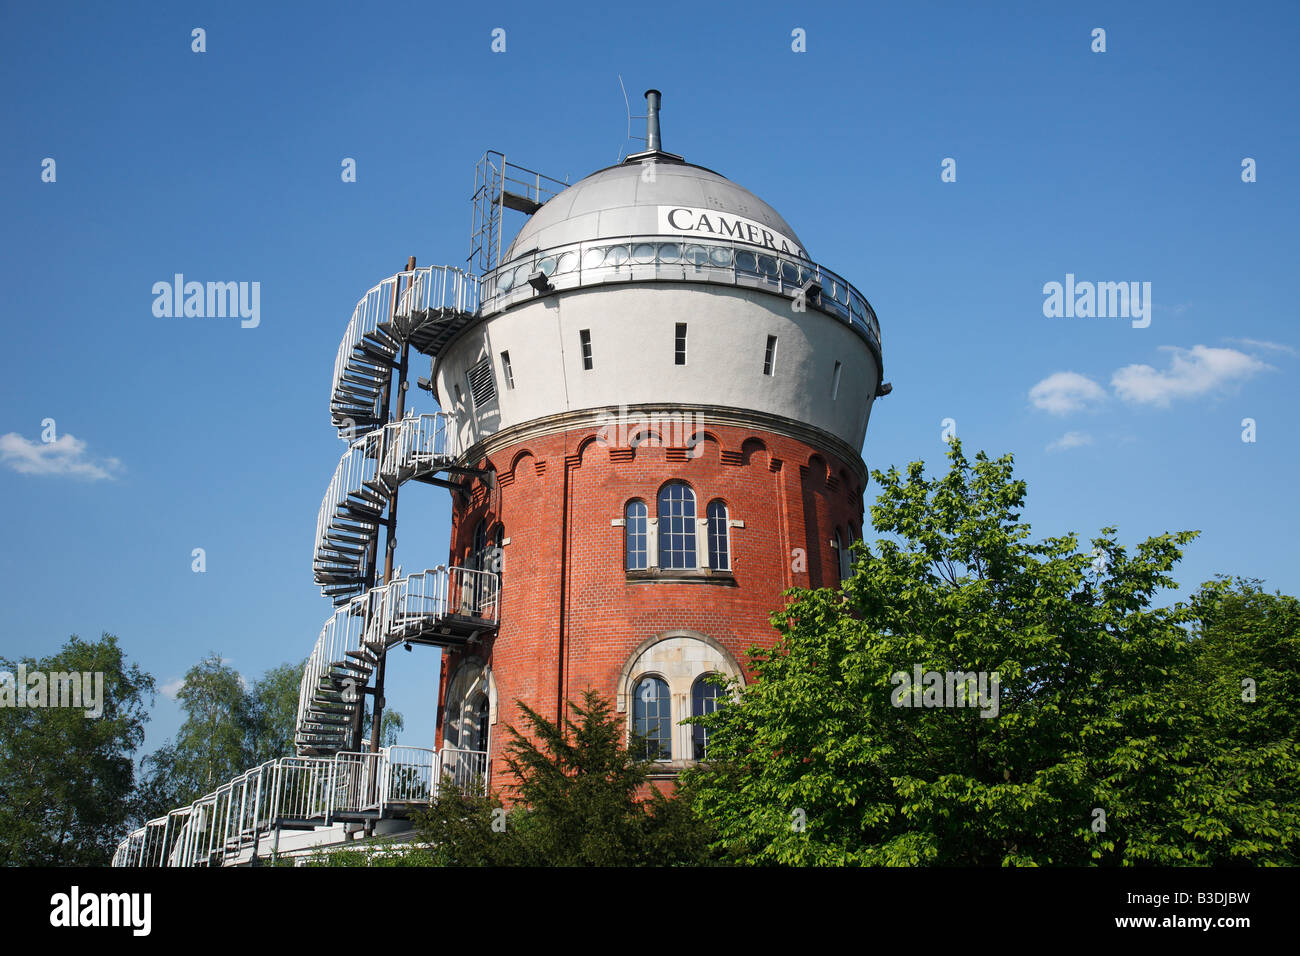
(652, 120)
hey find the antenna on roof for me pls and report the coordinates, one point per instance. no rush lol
(630, 118)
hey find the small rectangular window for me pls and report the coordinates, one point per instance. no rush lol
(679, 344)
(506, 372)
(585, 337)
(769, 357)
(835, 382)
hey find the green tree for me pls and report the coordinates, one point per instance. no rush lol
(818, 763)
(273, 712)
(390, 725)
(579, 799)
(1233, 794)
(66, 779)
(228, 728)
(215, 743)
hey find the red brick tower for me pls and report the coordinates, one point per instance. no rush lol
(664, 398)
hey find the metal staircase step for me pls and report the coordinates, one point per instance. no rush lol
(327, 721)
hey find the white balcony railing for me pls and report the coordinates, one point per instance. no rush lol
(227, 825)
(408, 306)
(415, 607)
(668, 258)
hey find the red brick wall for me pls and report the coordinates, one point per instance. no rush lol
(571, 618)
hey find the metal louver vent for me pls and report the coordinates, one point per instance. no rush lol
(482, 386)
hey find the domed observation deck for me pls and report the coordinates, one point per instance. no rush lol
(657, 282)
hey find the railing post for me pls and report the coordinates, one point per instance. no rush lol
(329, 790)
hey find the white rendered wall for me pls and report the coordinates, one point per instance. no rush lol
(632, 336)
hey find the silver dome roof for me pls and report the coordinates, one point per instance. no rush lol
(627, 199)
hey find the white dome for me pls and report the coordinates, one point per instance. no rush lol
(637, 197)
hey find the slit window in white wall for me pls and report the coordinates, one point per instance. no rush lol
(835, 381)
(506, 371)
(585, 338)
(679, 344)
(769, 356)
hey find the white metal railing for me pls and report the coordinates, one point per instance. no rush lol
(387, 615)
(377, 328)
(411, 775)
(221, 826)
(343, 632)
(467, 769)
(357, 785)
(437, 289)
(373, 466)
(669, 257)
(417, 601)
(418, 443)
(339, 511)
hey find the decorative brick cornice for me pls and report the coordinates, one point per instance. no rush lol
(702, 415)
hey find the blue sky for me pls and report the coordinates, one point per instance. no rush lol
(177, 434)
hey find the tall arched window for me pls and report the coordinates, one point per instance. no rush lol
(482, 723)
(634, 536)
(652, 718)
(719, 545)
(704, 700)
(841, 557)
(485, 557)
(677, 526)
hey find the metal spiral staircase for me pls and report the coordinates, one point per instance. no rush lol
(338, 776)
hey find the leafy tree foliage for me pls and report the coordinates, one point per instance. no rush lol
(1235, 797)
(66, 779)
(228, 728)
(580, 799)
(1120, 735)
(391, 724)
(273, 712)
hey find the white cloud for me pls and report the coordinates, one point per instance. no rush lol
(1270, 346)
(1063, 392)
(1192, 372)
(64, 456)
(1070, 440)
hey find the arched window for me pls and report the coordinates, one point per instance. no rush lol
(704, 700)
(485, 557)
(634, 536)
(479, 546)
(652, 718)
(677, 526)
(841, 557)
(482, 723)
(719, 545)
